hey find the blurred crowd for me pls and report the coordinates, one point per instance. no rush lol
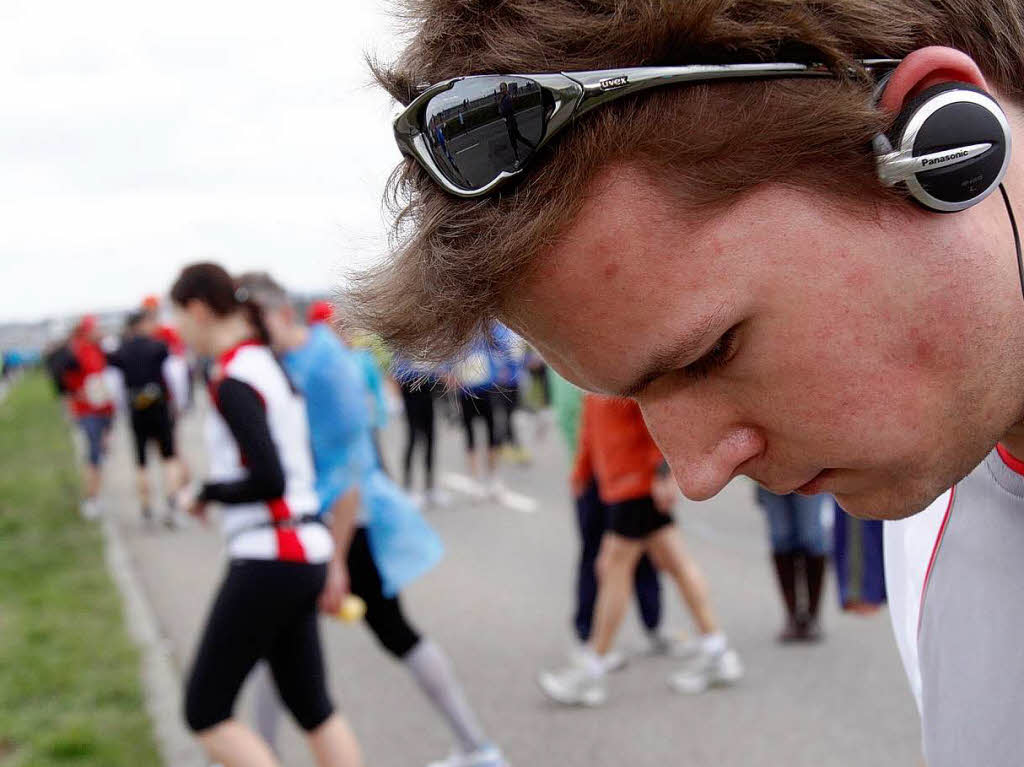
(294, 402)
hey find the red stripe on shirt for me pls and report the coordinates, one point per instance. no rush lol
(289, 547)
(935, 553)
(1012, 462)
(225, 358)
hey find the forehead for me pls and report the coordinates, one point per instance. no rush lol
(635, 274)
(626, 270)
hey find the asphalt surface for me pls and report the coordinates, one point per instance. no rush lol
(500, 604)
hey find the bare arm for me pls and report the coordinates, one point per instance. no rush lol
(344, 513)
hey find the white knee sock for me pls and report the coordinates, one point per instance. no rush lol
(433, 672)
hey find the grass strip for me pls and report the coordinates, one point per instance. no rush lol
(70, 692)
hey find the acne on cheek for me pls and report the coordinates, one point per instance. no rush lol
(923, 350)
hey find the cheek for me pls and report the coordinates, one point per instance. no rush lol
(844, 393)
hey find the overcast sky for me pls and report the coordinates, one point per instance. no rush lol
(138, 137)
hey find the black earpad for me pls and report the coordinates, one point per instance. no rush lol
(895, 133)
(959, 123)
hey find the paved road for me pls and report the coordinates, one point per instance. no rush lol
(499, 603)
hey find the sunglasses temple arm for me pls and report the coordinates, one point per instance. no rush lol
(602, 86)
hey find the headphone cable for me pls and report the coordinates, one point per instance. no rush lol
(1016, 236)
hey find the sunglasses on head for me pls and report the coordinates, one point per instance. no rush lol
(475, 134)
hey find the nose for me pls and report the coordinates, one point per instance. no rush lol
(703, 450)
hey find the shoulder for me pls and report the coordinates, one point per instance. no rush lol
(255, 365)
(231, 394)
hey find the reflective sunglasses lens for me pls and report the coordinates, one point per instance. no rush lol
(483, 126)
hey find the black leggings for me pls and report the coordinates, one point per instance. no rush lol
(475, 406)
(419, 417)
(384, 615)
(505, 403)
(264, 609)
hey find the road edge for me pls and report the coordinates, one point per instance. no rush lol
(160, 679)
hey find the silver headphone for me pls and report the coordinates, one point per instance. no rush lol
(950, 146)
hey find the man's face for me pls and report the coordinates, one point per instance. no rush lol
(868, 355)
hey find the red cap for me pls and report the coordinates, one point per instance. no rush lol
(151, 302)
(319, 311)
(86, 325)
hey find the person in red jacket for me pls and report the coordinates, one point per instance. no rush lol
(617, 451)
(90, 403)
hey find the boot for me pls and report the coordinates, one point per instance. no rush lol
(785, 569)
(814, 570)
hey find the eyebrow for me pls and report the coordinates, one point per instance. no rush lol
(667, 358)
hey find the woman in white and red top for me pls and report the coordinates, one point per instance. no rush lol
(261, 472)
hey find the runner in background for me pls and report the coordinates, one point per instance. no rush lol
(638, 493)
(507, 368)
(418, 386)
(800, 552)
(591, 517)
(474, 375)
(537, 395)
(321, 312)
(178, 374)
(143, 362)
(90, 402)
(178, 371)
(261, 472)
(381, 541)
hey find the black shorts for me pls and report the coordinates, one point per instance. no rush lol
(154, 423)
(265, 609)
(636, 518)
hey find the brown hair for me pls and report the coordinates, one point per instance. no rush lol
(210, 284)
(456, 261)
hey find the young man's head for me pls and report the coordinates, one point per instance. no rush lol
(725, 253)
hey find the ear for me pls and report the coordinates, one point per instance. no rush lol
(926, 67)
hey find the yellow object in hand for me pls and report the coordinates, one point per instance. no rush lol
(352, 609)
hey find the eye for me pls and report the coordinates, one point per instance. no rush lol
(715, 358)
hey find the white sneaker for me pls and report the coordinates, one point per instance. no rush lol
(706, 670)
(91, 508)
(488, 756)
(614, 660)
(573, 686)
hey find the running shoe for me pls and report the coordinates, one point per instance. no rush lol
(488, 756)
(521, 456)
(614, 660)
(706, 670)
(574, 686)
